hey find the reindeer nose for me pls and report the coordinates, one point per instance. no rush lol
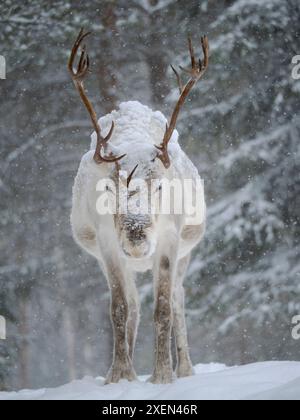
(136, 236)
(136, 233)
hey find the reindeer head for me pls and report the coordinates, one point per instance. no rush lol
(136, 232)
(137, 226)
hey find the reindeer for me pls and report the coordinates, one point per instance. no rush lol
(125, 244)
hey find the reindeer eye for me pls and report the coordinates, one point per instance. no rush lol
(108, 189)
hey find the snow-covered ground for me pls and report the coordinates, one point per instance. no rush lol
(269, 380)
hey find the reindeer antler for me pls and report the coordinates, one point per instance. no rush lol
(130, 176)
(196, 71)
(78, 76)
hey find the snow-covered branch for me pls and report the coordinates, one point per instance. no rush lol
(15, 154)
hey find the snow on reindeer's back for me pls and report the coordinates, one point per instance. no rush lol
(135, 125)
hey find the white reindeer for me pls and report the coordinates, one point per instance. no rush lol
(125, 244)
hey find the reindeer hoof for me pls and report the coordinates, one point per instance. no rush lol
(119, 371)
(162, 376)
(184, 370)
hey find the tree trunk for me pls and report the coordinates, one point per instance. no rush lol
(24, 346)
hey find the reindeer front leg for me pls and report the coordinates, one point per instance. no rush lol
(163, 311)
(122, 364)
(133, 312)
(184, 364)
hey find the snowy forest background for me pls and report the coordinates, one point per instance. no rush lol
(241, 128)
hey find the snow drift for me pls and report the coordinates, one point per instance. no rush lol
(269, 380)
